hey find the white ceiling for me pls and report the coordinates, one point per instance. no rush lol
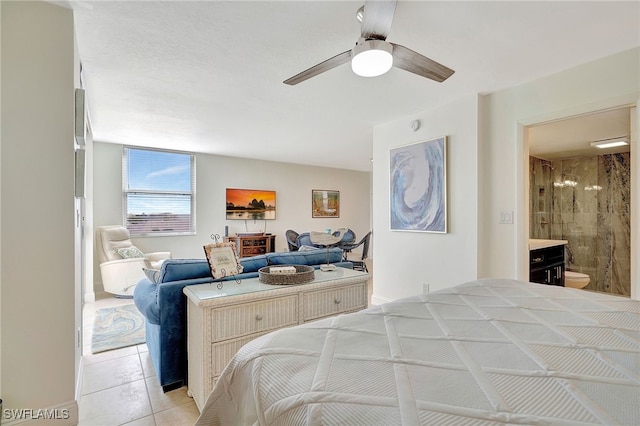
(573, 136)
(206, 76)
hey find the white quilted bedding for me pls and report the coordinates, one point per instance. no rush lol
(485, 352)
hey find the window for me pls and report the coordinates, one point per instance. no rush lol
(159, 191)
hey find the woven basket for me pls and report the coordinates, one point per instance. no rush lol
(304, 274)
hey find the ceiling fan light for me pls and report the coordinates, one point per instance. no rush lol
(371, 58)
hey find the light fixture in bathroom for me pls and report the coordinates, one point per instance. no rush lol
(593, 188)
(610, 143)
(566, 183)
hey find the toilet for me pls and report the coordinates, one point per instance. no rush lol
(575, 279)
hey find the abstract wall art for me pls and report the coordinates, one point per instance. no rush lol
(418, 187)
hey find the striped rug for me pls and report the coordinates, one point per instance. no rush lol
(117, 327)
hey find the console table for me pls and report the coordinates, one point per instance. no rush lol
(221, 321)
(254, 244)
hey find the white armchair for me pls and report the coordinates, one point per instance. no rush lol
(121, 262)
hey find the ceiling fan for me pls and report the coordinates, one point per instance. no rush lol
(372, 54)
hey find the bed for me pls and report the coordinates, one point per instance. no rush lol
(485, 352)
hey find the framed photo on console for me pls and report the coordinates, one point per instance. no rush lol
(223, 260)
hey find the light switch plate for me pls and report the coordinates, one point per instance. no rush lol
(506, 217)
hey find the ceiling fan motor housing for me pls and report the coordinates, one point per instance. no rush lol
(371, 58)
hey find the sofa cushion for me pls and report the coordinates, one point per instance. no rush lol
(187, 269)
(253, 263)
(184, 269)
(310, 257)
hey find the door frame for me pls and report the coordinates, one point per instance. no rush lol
(522, 181)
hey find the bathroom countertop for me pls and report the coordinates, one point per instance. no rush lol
(535, 244)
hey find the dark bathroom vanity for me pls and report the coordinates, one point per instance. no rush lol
(546, 261)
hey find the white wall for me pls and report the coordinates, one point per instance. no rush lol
(486, 175)
(38, 328)
(88, 293)
(292, 183)
(605, 83)
(0, 211)
(79, 241)
(407, 260)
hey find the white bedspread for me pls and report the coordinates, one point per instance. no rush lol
(485, 352)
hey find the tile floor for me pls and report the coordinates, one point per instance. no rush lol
(119, 387)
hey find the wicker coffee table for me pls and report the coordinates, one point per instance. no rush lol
(221, 321)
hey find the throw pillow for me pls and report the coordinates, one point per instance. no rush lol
(152, 274)
(155, 264)
(130, 252)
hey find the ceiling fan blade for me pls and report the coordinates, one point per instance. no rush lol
(414, 62)
(377, 19)
(330, 63)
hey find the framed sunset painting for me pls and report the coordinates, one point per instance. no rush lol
(256, 204)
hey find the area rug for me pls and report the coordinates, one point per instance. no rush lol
(117, 327)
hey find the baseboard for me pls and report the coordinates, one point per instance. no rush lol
(89, 297)
(63, 414)
(101, 295)
(377, 300)
(79, 382)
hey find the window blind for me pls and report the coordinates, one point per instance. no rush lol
(158, 191)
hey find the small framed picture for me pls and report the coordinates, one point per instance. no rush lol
(223, 260)
(325, 203)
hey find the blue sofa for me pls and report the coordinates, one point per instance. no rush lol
(164, 306)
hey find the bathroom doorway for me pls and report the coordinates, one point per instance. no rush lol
(582, 194)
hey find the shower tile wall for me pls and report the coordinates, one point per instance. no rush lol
(540, 199)
(585, 201)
